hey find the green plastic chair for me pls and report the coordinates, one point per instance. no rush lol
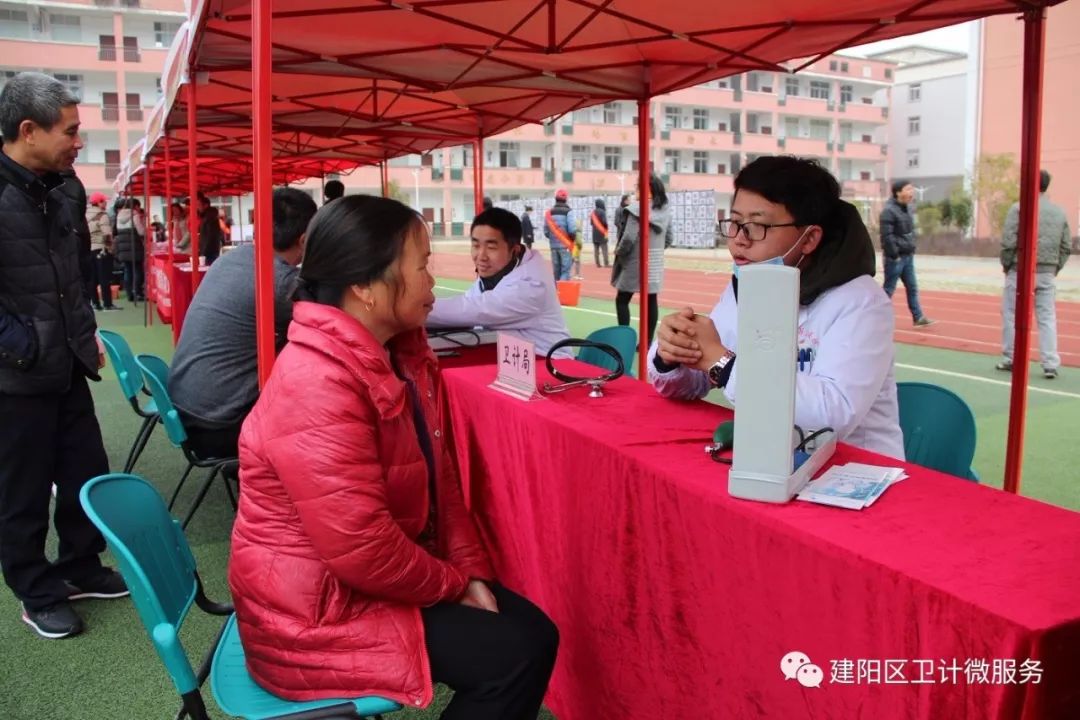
(131, 383)
(621, 337)
(939, 428)
(155, 373)
(157, 564)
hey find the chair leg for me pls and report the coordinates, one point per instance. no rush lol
(193, 705)
(176, 492)
(139, 445)
(229, 490)
(202, 494)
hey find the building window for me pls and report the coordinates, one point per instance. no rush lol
(164, 33)
(913, 125)
(14, 23)
(701, 119)
(867, 71)
(579, 157)
(582, 116)
(847, 92)
(913, 159)
(612, 157)
(832, 65)
(819, 89)
(672, 118)
(74, 83)
(888, 73)
(819, 129)
(791, 86)
(671, 161)
(843, 67)
(914, 92)
(65, 28)
(611, 113)
(791, 127)
(508, 154)
(157, 85)
(701, 162)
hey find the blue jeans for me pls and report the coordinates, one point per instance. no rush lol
(561, 260)
(903, 268)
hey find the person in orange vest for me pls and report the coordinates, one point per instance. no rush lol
(598, 217)
(560, 229)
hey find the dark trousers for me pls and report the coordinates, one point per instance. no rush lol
(101, 288)
(133, 279)
(903, 268)
(598, 249)
(46, 440)
(622, 310)
(498, 664)
(209, 443)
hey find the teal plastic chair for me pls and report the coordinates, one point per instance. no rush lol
(939, 428)
(131, 383)
(157, 564)
(155, 373)
(621, 337)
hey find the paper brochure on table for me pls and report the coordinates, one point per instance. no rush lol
(853, 486)
(516, 368)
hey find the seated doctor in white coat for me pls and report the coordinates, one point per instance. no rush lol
(515, 291)
(788, 210)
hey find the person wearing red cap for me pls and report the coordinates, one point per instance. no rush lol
(560, 230)
(101, 250)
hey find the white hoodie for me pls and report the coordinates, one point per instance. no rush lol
(845, 380)
(524, 303)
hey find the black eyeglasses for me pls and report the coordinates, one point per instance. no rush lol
(755, 232)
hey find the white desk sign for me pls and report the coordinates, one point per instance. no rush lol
(516, 367)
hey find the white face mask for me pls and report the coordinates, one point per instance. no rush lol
(779, 259)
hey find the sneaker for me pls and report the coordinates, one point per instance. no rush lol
(1004, 366)
(924, 321)
(1050, 373)
(107, 584)
(109, 308)
(55, 621)
(97, 307)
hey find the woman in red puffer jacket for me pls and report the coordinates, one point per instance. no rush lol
(355, 568)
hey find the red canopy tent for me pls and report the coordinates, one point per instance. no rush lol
(457, 67)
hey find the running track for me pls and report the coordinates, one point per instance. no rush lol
(965, 321)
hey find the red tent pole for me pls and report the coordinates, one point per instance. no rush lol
(193, 189)
(1027, 244)
(264, 218)
(168, 200)
(148, 317)
(645, 203)
(384, 175)
(478, 175)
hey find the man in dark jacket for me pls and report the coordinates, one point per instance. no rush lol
(210, 235)
(527, 233)
(598, 218)
(898, 246)
(49, 435)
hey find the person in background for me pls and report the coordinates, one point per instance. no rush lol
(487, 203)
(49, 432)
(102, 248)
(527, 227)
(898, 246)
(620, 216)
(130, 232)
(598, 218)
(213, 379)
(560, 230)
(514, 290)
(625, 275)
(1055, 244)
(332, 190)
(373, 579)
(210, 234)
(181, 231)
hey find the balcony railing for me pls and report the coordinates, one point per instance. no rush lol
(132, 55)
(568, 176)
(436, 174)
(110, 113)
(134, 114)
(112, 170)
(106, 53)
(549, 176)
(457, 173)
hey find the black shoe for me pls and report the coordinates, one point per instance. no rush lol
(107, 584)
(55, 621)
(1050, 373)
(924, 322)
(96, 306)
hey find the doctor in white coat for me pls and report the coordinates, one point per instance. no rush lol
(788, 211)
(515, 291)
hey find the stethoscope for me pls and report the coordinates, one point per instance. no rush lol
(595, 384)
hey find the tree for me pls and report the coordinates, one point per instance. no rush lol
(995, 183)
(960, 205)
(394, 191)
(945, 208)
(929, 217)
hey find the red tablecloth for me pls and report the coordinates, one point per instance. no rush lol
(676, 600)
(181, 295)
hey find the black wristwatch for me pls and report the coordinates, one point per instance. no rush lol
(721, 370)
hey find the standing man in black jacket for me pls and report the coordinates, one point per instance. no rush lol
(49, 434)
(898, 246)
(527, 235)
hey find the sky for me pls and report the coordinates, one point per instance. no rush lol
(954, 37)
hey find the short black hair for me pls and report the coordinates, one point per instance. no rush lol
(1044, 181)
(504, 221)
(293, 210)
(487, 203)
(808, 191)
(898, 185)
(333, 190)
(657, 191)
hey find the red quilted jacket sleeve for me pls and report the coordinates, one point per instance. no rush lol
(462, 542)
(333, 476)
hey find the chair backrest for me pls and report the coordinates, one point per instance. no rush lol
(939, 428)
(620, 337)
(153, 557)
(123, 362)
(155, 372)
